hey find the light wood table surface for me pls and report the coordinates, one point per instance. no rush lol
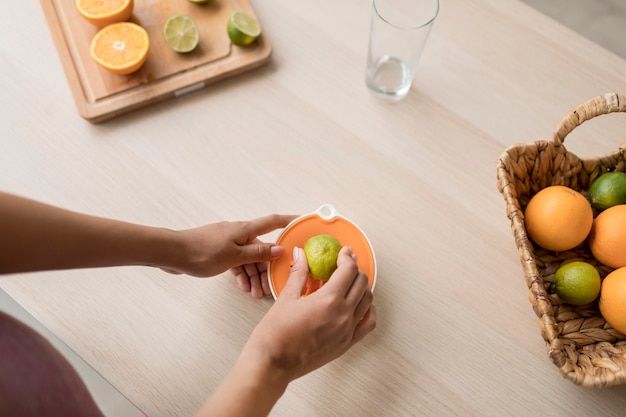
(456, 334)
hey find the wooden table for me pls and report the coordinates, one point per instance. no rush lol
(456, 334)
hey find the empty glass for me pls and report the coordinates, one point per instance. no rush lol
(398, 34)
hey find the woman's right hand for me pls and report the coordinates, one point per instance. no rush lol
(297, 335)
(300, 334)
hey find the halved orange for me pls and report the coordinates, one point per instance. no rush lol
(120, 48)
(101, 13)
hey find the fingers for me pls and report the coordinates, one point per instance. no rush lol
(257, 269)
(253, 254)
(255, 288)
(251, 249)
(243, 282)
(260, 252)
(253, 279)
(347, 270)
(265, 284)
(265, 224)
(366, 325)
(362, 298)
(298, 275)
(352, 282)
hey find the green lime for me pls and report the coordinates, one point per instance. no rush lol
(321, 254)
(608, 190)
(577, 283)
(242, 28)
(181, 33)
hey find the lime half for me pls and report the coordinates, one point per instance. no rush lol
(181, 33)
(242, 28)
(321, 254)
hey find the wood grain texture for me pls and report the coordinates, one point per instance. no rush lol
(456, 334)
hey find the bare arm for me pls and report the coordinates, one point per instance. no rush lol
(36, 236)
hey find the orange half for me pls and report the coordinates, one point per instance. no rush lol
(324, 220)
(101, 13)
(120, 48)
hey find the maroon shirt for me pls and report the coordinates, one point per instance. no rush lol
(35, 379)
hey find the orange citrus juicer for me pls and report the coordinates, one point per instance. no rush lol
(325, 220)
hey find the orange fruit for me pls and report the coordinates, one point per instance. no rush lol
(612, 301)
(101, 13)
(558, 218)
(607, 239)
(120, 48)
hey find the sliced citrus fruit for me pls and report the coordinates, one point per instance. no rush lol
(321, 254)
(120, 48)
(181, 33)
(102, 13)
(242, 28)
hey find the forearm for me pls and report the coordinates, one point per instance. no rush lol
(251, 389)
(36, 236)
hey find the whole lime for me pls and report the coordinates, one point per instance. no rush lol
(577, 283)
(608, 190)
(321, 254)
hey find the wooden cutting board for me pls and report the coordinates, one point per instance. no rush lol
(100, 95)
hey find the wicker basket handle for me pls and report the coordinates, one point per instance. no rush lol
(605, 104)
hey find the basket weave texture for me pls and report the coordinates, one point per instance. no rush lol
(586, 349)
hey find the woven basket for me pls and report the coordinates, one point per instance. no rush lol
(587, 350)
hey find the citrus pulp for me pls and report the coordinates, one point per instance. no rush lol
(102, 13)
(181, 33)
(120, 48)
(242, 28)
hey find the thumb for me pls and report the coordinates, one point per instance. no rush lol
(345, 255)
(298, 275)
(260, 252)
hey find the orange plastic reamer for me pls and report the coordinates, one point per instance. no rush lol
(326, 220)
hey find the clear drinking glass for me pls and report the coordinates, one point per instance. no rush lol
(398, 34)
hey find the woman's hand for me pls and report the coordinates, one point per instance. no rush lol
(297, 335)
(39, 237)
(300, 334)
(217, 247)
